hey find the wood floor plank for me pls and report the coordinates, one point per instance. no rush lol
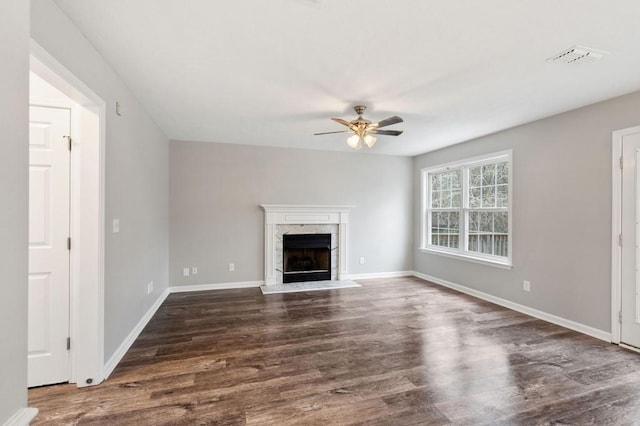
(397, 351)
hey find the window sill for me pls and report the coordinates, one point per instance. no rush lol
(482, 261)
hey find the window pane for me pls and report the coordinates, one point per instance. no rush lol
(488, 233)
(501, 245)
(435, 190)
(488, 175)
(435, 221)
(435, 182)
(502, 196)
(474, 219)
(446, 189)
(501, 222)
(475, 177)
(456, 199)
(473, 242)
(455, 179)
(446, 199)
(488, 196)
(454, 222)
(475, 197)
(486, 221)
(435, 199)
(485, 243)
(445, 228)
(489, 186)
(502, 172)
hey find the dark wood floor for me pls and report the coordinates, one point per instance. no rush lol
(396, 352)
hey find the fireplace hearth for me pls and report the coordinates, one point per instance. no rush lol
(306, 257)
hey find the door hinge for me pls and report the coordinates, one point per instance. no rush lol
(69, 243)
(68, 138)
(620, 240)
(620, 317)
(621, 162)
(68, 343)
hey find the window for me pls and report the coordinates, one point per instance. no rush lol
(467, 209)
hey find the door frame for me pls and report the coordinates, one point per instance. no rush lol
(87, 206)
(616, 229)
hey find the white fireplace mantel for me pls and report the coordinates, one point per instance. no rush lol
(288, 214)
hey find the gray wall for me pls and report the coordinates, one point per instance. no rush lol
(561, 212)
(217, 189)
(14, 182)
(137, 179)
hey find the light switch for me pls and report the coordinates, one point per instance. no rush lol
(116, 226)
(185, 272)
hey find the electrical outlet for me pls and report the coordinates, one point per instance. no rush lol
(232, 267)
(194, 270)
(185, 272)
(526, 285)
(116, 226)
(362, 260)
(150, 287)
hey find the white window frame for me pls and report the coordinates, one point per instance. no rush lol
(463, 252)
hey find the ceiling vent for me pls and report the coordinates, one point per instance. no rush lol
(578, 55)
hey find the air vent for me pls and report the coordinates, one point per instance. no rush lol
(578, 55)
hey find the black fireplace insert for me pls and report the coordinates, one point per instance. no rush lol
(306, 257)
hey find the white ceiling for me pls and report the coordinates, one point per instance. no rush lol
(273, 72)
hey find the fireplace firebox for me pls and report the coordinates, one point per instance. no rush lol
(306, 257)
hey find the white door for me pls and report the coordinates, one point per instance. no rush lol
(49, 165)
(630, 291)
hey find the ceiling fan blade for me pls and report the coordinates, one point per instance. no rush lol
(387, 132)
(328, 133)
(343, 122)
(389, 121)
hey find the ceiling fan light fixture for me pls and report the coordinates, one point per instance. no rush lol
(370, 140)
(355, 142)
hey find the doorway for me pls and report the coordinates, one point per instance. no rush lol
(625, 294)
(85, 262)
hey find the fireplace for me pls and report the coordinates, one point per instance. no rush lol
(306, 257)
(281, 220)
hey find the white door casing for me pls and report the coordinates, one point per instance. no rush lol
(630, 238)
(86, 286)
(49, 180)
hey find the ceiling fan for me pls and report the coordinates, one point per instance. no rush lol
(363, 130)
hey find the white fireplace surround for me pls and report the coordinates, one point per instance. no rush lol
(287, 214)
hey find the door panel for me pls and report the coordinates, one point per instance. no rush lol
(40, 314)
(49, 164)
(39, 206)
(630, 290)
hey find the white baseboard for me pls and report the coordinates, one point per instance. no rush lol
(629, 347)
(378, 275)
(218, 286)
(563, 322)
(22, 417)
(113, 361)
